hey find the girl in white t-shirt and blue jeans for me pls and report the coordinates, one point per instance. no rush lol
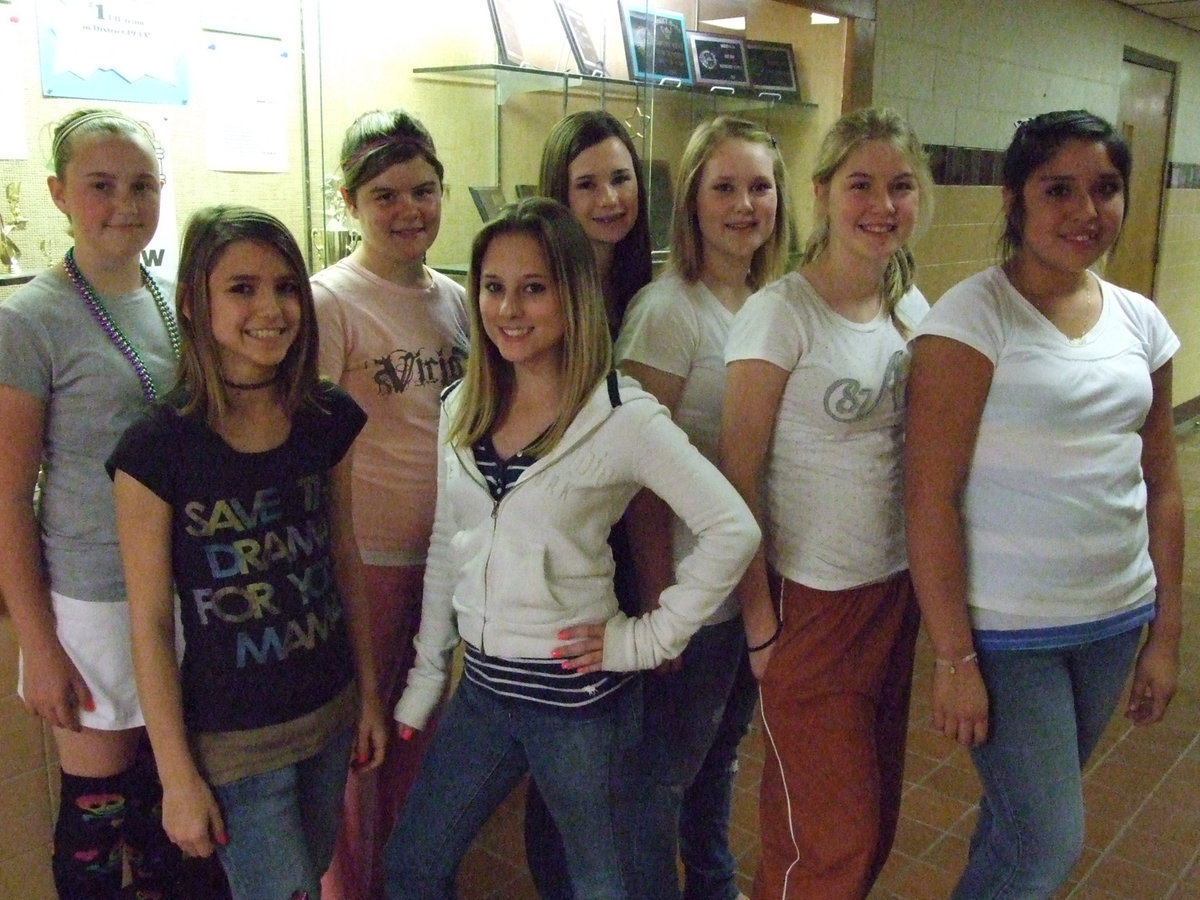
(730, 235)
(1044, 506)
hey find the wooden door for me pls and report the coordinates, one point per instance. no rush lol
(1145, 117)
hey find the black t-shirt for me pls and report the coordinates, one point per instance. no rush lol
(265, 636)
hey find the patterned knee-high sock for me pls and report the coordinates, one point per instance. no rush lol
(154, 862)
(87, 837)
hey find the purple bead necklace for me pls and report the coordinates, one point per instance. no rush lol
(105, 320)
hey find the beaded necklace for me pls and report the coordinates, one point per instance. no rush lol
(105, 320)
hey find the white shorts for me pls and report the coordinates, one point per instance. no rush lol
(96, 638)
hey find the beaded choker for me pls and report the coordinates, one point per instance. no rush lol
(105, 320)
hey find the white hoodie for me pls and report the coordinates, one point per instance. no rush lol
(507, 576)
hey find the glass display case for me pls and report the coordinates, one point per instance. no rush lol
(488, 90)
(526, 102)
(489, 87)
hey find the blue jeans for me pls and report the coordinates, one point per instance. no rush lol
(694, 720)
(282, 825)
(484, 744)
(1048, 709)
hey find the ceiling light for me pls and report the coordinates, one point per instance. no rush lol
(735, 23)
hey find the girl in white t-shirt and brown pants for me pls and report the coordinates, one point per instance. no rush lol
(814, 412)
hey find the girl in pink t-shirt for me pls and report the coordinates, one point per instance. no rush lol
(393, 334)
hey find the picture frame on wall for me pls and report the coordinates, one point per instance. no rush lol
(718, 60)
(504, 21)
(771, 66)
(588, 58)
(656, 45)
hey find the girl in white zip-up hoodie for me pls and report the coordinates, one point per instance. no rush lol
(541, 448)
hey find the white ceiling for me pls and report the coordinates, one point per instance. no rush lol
(1181, 12)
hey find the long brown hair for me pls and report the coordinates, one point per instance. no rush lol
(570, 136)
(587, 348)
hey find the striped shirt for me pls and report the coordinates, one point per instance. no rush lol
(500, 474)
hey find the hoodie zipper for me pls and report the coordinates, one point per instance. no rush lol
(559, 453)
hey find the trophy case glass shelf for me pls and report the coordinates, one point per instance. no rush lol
(496, 118)
(511, 80)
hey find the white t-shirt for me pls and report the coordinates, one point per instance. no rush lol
(1054, 508)
(833, 487)
(680, 328)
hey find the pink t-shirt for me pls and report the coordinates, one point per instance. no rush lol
(393, 349)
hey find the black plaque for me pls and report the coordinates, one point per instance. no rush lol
(718, 59)
(772, 66)
(656, 44)
(504, 21)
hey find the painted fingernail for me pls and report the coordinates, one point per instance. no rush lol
(222, 839)
(556, 653)
(362, 758)
(406, 734)
(90, 705)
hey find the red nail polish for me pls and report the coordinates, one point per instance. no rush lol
(222, 839)
(556, 653)
(362, 758)
(90, 706)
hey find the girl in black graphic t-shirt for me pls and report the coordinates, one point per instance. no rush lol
(233, 495)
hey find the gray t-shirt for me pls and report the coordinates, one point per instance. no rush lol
(52, 348)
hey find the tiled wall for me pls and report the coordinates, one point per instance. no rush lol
(962, 238)
(963, 72)
(27, 786)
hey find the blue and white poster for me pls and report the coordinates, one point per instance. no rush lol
(115, 50)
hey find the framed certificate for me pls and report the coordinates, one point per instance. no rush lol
(656, 45)
(718, 60)
(589, 60)
(504, 20)
(771, 66)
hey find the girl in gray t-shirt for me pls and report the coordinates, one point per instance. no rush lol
(83, 348)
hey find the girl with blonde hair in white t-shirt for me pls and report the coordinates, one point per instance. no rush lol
(814, 412)
(730, 235)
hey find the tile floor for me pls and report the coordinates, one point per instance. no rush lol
(1142, 791)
